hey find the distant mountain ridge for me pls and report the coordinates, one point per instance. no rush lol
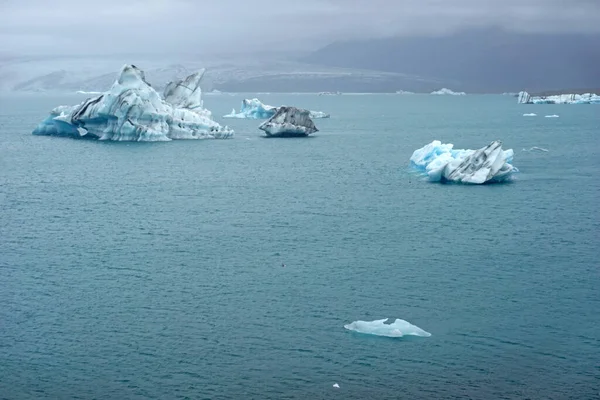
(483, 60)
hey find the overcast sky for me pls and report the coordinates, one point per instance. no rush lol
(208, 26)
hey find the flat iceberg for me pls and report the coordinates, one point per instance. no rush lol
(530, 115)
(289, 122)
(255, 109)
(442, 163)
(586, 98)
(131, 110)
(445, 91)
(378, 327)
(551, 116)
(536, 148)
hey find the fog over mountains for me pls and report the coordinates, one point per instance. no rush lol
(479, 60)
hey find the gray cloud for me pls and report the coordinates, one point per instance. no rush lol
(195, 27)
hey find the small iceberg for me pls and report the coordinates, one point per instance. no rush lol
(445, 91)
(255, 109)
(335, 385)
(536, 148)
(84, 92)
(289, 122)
(568, 98)
(551, 116)
(378, 327)
(530, 115)
(404, 92)
(131, 110)
(442, 163)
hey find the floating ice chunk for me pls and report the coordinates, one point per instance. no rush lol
(445, 91)
(318, 114)
(335, 385)
(84, 92)
(530, 115)
(131, 110)
(404, 92)
(442, 163)
(399, 328)
(289, 122)
(551, 116)
(535, 148)
(254, 109)
(586, 98)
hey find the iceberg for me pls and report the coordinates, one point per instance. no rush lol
(445, 91)
(442, 163)
(185, 93)
(404, 92)
(289, 122)
(551, 116)
(530, 115)
(378, 327)
(255, 109)
(131, 110)
(586, 98)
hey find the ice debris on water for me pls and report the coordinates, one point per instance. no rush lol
(131, 110)
(536, 148)
(335, 385)
(379, 327)
(442, 163)
(530, 115)
(552, 116)
(255, 109)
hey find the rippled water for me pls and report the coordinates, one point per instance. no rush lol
(154, 270)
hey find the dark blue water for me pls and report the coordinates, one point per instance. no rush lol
(153, 270)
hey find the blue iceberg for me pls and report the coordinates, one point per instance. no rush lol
(255, 109)
(131, 110)
(442, 163)
(378, 327)
(289, 122)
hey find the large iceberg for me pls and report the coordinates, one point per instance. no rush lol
(445, 91)
(378, 327)
(289, 122)
(442, 163)
(255, 109)
(131, 110)
(586, 98)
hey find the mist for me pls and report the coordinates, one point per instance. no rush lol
(187, 27)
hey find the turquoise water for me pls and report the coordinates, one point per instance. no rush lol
(153, 270)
